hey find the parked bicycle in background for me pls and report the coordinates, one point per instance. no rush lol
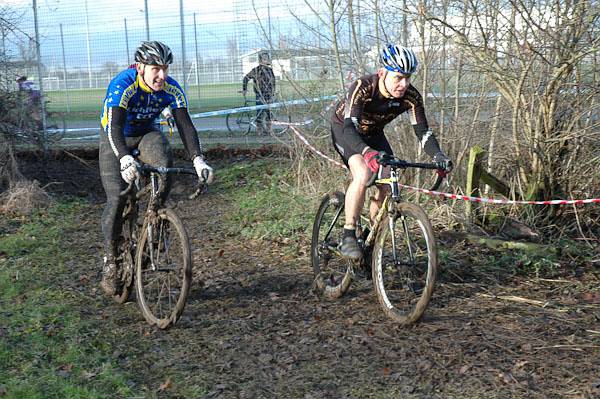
(247, 120)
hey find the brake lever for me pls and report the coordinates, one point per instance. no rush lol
(202, 186)
(441, 172)
(125, 192)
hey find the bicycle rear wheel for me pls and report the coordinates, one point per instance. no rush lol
(333, 273)
(126, 249)
(405, 263)
(239, 123)
(163, 269)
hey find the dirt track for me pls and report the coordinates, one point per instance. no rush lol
(254, 329)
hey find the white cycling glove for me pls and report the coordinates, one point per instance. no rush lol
(166, 113)
(128, 168)
(201, 166)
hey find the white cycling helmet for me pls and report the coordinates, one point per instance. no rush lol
(399, 59)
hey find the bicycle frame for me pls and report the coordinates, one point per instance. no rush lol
(156, 187)
(394, 196)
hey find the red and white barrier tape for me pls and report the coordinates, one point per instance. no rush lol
(499, 201)
(305, 141)
(455, 196)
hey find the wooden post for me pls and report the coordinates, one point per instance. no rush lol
(492, 181)
(473, 176)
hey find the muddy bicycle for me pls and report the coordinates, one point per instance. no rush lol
(154, 250)
(399, 249)
(245, 121)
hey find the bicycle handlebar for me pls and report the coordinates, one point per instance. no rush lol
(389, 160)
(145, 170)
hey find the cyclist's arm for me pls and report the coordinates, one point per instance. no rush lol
(247, 77)
(114, 130)
(418, 120)
(355, 101)
(273, 81)
(187, 132)
(427, 139)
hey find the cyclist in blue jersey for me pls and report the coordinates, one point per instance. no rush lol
(134, 100)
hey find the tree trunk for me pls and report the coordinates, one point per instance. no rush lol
(334, 37)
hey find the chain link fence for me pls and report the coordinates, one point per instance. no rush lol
(84, 44)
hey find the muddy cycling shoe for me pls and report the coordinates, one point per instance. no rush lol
(350, 248)
(109, 276)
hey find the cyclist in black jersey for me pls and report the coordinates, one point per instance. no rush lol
(134, 100)
(357, 133)
(264, 89)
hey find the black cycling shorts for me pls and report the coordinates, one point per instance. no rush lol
(378, 142)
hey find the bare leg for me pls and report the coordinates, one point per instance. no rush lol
(355, 194)
(377, 201)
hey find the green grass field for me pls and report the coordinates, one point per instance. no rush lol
(85, 103)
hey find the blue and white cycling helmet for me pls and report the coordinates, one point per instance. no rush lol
(399, 59)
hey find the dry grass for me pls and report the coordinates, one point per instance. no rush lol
(23, 197)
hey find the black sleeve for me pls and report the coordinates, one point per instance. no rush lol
(352, 136)
(187, 132)
(426, 139)
(114, 130)
(249, 75)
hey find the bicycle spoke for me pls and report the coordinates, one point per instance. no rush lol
(163, 284)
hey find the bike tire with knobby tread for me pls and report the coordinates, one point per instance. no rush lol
(184, 273)
(126, 255)
(411, 307)
(330, 282)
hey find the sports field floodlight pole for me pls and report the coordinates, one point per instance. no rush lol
(87, 42)
(197, 71)
(64, 60)
(147, 22)
(126, 43)
(182, 23)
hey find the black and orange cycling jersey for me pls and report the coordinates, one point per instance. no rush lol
(368, 108)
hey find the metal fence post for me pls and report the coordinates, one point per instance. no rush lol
(62, 43)
(40, 80)
(182, 23)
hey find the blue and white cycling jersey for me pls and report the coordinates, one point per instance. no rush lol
(143, 105)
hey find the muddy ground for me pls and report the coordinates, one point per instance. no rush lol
(252, 327)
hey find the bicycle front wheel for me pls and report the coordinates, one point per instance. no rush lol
(405, 263)
(333, 273)
(163, 269)
(239, 123)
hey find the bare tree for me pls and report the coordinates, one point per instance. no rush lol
(530, 50)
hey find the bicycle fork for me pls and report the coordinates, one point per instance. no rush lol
(150, 234)
(392, 219)
(149, 226)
